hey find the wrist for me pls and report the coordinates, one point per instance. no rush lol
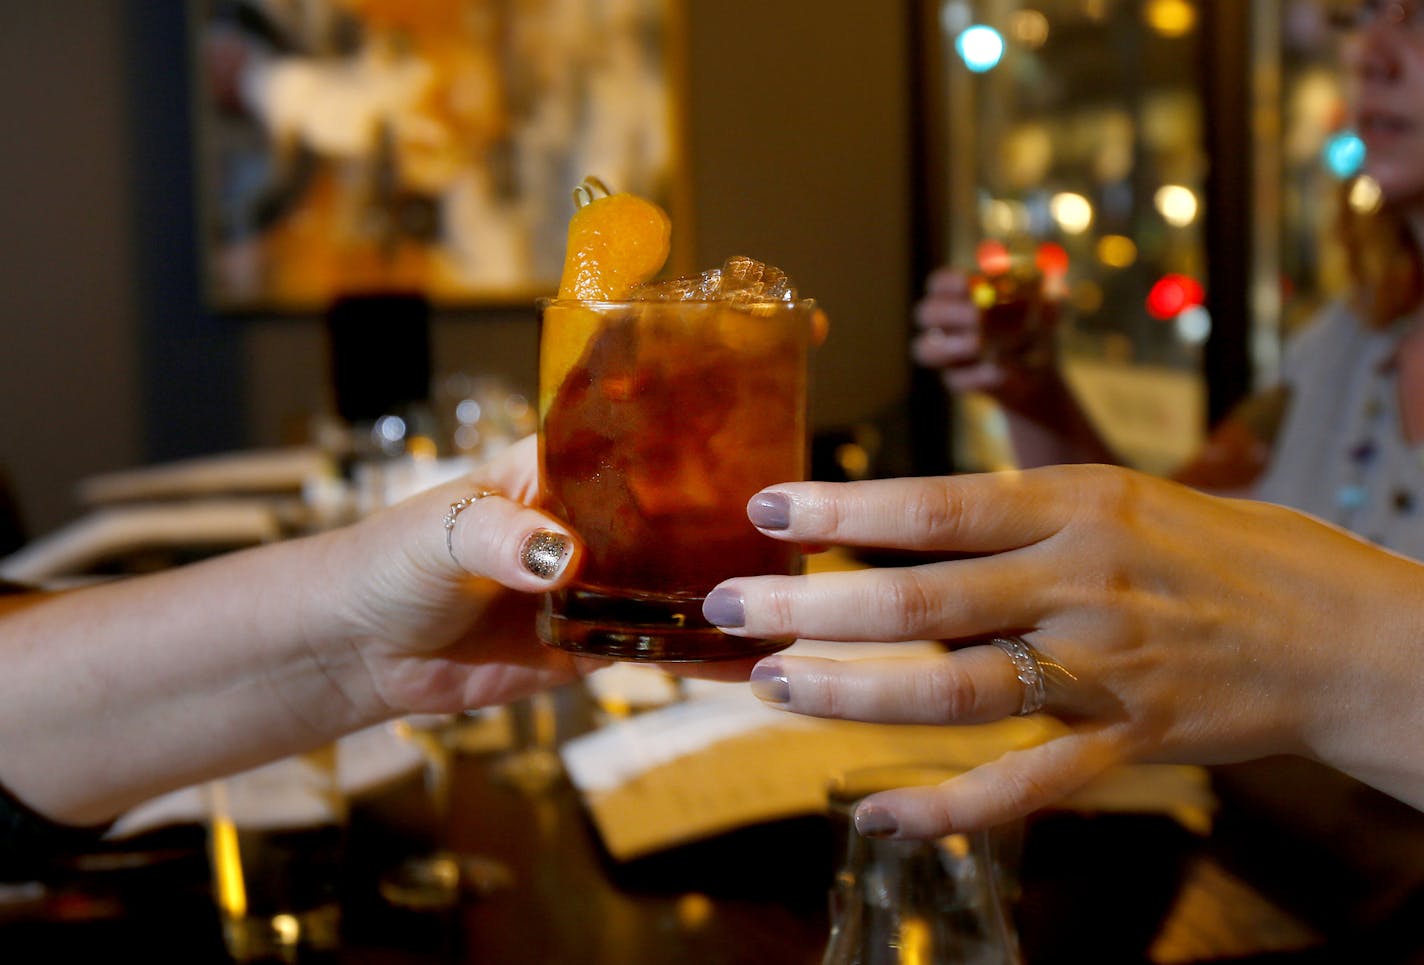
(324, 675)
(1368, 716)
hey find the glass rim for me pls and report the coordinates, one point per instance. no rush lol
(803, 304)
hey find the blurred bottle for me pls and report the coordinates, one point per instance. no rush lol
(914, 902)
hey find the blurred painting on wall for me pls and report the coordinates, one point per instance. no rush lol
(349, 146)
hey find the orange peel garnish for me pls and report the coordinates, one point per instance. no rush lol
(616, 242)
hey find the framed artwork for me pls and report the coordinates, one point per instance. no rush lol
(429, 146)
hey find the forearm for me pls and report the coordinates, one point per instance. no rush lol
(113, 694)
(1052, 428)
(1370, 709)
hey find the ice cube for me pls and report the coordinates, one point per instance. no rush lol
(740, 279)
(746, 279)
(684, 288)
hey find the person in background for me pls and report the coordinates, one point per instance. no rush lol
(1154, 622)
(1339, 435)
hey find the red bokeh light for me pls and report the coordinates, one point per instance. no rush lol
(1172, 295)
(1052, 260)
(993, 257)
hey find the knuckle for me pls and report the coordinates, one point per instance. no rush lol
(776, 608)
(934, 509)
(948, 691)
(1021, 790)
(1111, 494)
(829, 700)
(909, 604)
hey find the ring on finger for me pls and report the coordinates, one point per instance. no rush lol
(453, 513)
(1034, 671)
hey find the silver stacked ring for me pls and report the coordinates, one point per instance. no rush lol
(1030, 674)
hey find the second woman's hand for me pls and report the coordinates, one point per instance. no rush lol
(1167, 625)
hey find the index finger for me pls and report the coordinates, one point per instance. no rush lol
(947, 281)
(980, 513)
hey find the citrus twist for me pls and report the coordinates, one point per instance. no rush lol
(616, 242)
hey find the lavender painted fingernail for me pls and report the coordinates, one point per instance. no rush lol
(770, 510)
(724, 608)
(873, 821)
(769, 682)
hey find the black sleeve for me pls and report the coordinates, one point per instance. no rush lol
(30, 842)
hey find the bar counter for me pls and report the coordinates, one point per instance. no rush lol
(1093, 887)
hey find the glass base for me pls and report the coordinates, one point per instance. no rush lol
(438, 881)
(312, 935)
(660, 629)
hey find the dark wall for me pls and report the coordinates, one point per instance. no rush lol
(69, 349)
(798, 154)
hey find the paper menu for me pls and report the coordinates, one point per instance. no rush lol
(696, 769)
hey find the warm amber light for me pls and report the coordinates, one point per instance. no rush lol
(915, 945)
(232, 891)
(1365, 195)
(694, 910)
(1171, 18)
(1117, 251)
(1096, 10)
(1029, 27)
(1087, 297)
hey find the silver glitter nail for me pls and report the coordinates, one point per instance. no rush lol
(545, 552)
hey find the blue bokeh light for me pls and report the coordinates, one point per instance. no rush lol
(980, 47)
(1344, 154)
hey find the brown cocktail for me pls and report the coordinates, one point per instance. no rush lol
(659, 419)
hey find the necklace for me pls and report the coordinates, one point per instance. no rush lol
(1374, 474)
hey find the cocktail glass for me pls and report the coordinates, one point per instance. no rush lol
(1018, 311)
(658, 421)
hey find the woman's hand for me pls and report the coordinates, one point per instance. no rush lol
(1172, 626)
(952, 339)
(439, 635)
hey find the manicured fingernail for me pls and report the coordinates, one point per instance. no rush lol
(723, 608)
(769, 682)
(873, 821)
(545, 553)
(770, 510)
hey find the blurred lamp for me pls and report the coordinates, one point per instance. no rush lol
(1073, 212)
(1176, 204)
(1051, 259)
(1194, 325)
(980, 47)
(1365, 195)
(1344, 154)
(1171, 18)
(1117, 251)
(1172, 295)
(992, 257)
